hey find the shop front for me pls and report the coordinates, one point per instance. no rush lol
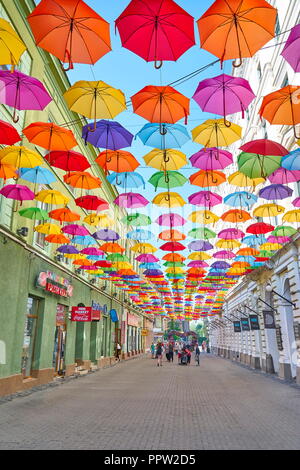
(133, 334)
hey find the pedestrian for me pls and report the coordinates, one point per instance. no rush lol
(118, 352)
(171, 352)
(167, 352)
(197, 354)
(159, 353)
(152, 348)
(188, 352)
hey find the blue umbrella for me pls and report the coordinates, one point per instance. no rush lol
(245, 259)
(291, 161)
(86, 240)
(140, 234)
(37, 174)
(240, 199)
(127, 179)
(149, 266)
(108, 135)
(176, 136)
(254, 240)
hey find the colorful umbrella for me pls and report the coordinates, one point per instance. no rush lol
(92, 203)
(224, 254)
(227, 244)
(38, 174)
(170, 220)
(202, 232)
(136, 220)
(117, 160)
(169, 199)
(34, 213)
(82, 180)
(172, 246)
(171, 235)
(167, 179)
(131, 200)
(283, 176)
(128, 179)
(156, 32)
(173, 135)
(108, 134)
(291, 49)
(64, 215)
(205, 178)
(8, 171)
(112, 248)
(200, 245)
(50, 136)
(71, 31)
(205, 199)
(52, 197)
(147, 258)
(241, 180)
(231, 234)
(203, 217)
(48, 229)
(83, 240)
(57, 238)
(211, 159)
(290, 216)
(22, 92)
(139, 234)
(8, 134)
(165, 160)
(240, 199)
(258, 166)
(74, 229)
(144, 248)
(106, 235)
(264, 147)
(68, 161)
(12, 47)
(235, 215)
(259, 228)
(268, 210)
(275, 191)
(214, 133)
(284, 231)
(68, 249)
(291, 161)
(19, 156)
(17, 192)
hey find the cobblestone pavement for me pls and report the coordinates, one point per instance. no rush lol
(137, 405)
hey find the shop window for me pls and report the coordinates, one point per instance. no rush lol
(60, 339)
(30, 328)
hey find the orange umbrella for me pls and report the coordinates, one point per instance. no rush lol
(112, 248)
(282, 107)
(82, 262)
(119, 161)
(171, 235)
(173, 257)
(7, 171)
(206, 178)
(59, 239)
(162, 104)
(82, 180)
(234, 29)
(126, 272)
(247, 252)
(70, 30)
(64, 215)
(50, 136)
(236, 215)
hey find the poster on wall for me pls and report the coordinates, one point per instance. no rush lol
(245, 324)
(81, 314)
(237, 326)
(269, 320)
(254, 323)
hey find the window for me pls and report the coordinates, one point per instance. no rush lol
(277, 26)
(285, 81)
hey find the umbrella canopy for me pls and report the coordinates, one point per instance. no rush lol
(235, 215)
(172, 246)
(139, 234)
(67, 160)
(165, 160)
(82, 180)
(48, 229)
(34, 213)
(199, 256)
(240, 199)
(38, 174)
(64, 215)
(171, 235)
(205, 178)
(258, 166)
(173, 257)
(127, 179)
(296, 202)
(241, 180)
(50, 136)
(227, 244)
(291, 161)
(291, 49)
(106, 235)
(259, 228)
(224, 95)
(203, 217)
(200, 245)
(205, 199)
(224, 254)
(68, 249)
(19, 156)
(214, 133)
(275, 191)
(202, 232)
(92, 203)
(169, 199)
(173, 135)
(136, 220)
(264, 147)
(268, 210)
(117, 160)
(147, 258)
(170, 220)
(52, 197)
(112, 248)
(12, 47)
(131, 200)
(284, 176)
(57, 238)
(22, 92)
(254, 240)
(211, 159)
(233, 30)
(74, 229)
(144, 248)
(71, 31)
(83, 240)
(231, 234)
(290, 216)
(156, 32)
(8, 134)
(108, 134)
(284, 231)
(17, 192)
(167, 179)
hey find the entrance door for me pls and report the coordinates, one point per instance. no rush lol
(93, 341)
(60, 339)
(104, 337)
(29, 336)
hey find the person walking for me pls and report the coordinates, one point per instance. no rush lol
(159, 354)
(197, 354)
(118, 352)
(171, 352)
(152, 348)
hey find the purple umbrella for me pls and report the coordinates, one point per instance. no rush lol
(224, 254)
(205, 199)
(211, 159)
(22, 92)
(198, 264)
(231, 234)
(17, 192)
(281, 240)
(74, 229)
(131, 200)
(200, 245)
(92, 251)
(68, 249)
(275, 191)
(147, 258)
(220, 265)
(106, 235)
(283, 176)
(291, 50)
(170, 220)
(224, 95)
(108, 134)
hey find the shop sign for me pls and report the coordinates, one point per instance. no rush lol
(81, 314)
(55, 284)
(245, 324)
(144, 332)
(113, 315)
(133, 320)
(96, 311)
(269, 320)
(60, 314)
(279, 338)
(254, 323)
(237, 326)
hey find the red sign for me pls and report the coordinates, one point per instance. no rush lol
(81, 314)
(96, 315)
(56, 289)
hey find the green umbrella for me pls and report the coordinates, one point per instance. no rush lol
(171, 264)
(265, 254)
(117, 257)
(168, 179)
(258, 166)
(136, 220)
(284, 231)
(34, 213)
(202, 233)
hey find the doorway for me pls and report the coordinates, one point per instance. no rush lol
(60, 339)
(29, 336)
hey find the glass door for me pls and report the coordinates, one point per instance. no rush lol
(29, 336)
(60, 339)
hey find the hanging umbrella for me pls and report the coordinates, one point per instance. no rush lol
(71, 31)
(12, 47)
(234, 30)
(68, 161)
(57, 238)
(200, 245)
(116, 257)
(91, 203)
(284, 231)
(170, 220)
(91, 251)
(168, 199)
(157, 31)
(83, 240)
(268, 210)
(258, 166)
(165, 160)
(241, 180)
(224, 254)
(248, 252)
(173, 135)
(224, 95)
(291, 161)
(108, 134)
(139, 235)
(275, 191)
(240, 199)
(38, 174)
(282, 107)
(48, 229)
(74, 229)
(34, 213)
(296, 202)
(19, 156)
(203, 217)
(22, 92)
(197, 264)
(147, 258)
(254, 240)
(167, 179)
(290, 216)
(50, 136)
(173, 257)
(283, 176)
(106, 235)
(205, 178)
(271, 246)
(280, 240)
(199, 256)
(95, 100)
(259, 228)
(8, 171)
(161, 104)
(117, 160)
(17, 192)
(52, 197)
(131, 200)
(230, 234)
(205, 199)
(8, 134)
(126, 179)
(291, 49)
(64, 215)
(214, 133)
(144, 248)
(82, 180)
(202, 232)
(235, 215)
(112, 248)
(68, 249)
(264, 147)
(172, 246)
(136, 220)
(211, 159)
(227, 244)
(101, 220)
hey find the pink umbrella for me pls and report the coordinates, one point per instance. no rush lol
(170, 220)
(131, 200)
(147, 258)
(291, 50)
(211, 159)
(74, 229)
(22, 92)
(17, 192)
(205, 199)
(224, 254)
(281, 240)
(224, 95)
(296, 202)
(92, 251)
(198, 264)
(283, 176)
(231, 234)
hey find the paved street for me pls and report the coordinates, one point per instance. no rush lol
(136, 405)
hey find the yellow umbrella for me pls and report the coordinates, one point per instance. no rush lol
(175, 270)
(11, 46)
(92, 219)
(292, 216)
(270, 246)
(168, 199)
(268, 210)
(165, 160)
(214, 133)
(227, 244)
(203, 217)
(48, 229)
(51, 196)
(20, 157)
(74, 256)
(95, 100)
(143, 248)
(199, 256)
(241, 180)
(122, 265)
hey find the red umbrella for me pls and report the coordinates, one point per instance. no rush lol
(68, 161)
(92, 203)
(8, 134)
(172, 246)
(259, 228)
(264, 147)
(156, 30)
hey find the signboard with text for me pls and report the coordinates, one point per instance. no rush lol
(254, 323)
(132, 320)
(269, 320)
(55, 284)
(81, 314)
(245, 324)
(237, 326)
